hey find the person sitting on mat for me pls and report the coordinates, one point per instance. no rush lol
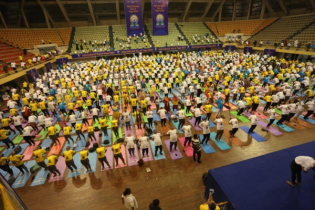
(299, 164)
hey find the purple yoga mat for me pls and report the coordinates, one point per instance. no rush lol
(110, 157)
(174, 154)
(271, 129)
(145, 159)
(129, 132)
(192, 122)
(61, 166)
(132, 161)
(262, 109)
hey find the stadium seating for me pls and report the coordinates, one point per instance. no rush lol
(199, 29)
(283, 28)
(171, 39)
(65, 35)
(305, 36)
(120, 33)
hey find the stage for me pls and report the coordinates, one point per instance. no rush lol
(260, 183)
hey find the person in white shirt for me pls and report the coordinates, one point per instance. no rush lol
(299, 109)
(219, 122)
(95, 112)
(130, 145)
(235, 126)
(181, 116)
(272, 117)
(292, 110)
(72, 120)
(299, 164)
(162, 113)
(187, 132)
(157, 142)
(241, 107)
(48, 121)
(41, 121)
(285, 112)
(32, 121)
(197, 114)
(27, 134)
(17, 122)
(129, 200)
(144, 144)
(173, 138)
(253, 121)
(205, 130)
(310, 108)
(150, 117)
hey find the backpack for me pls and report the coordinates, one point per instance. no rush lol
(120, 140)
(106, 142)
(95, 145)
(92, 149)
(140, 162)
(87, 144)
(18, 149)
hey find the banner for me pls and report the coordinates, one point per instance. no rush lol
(270, 52)
(61, 61)
(159, 10)
(134, 20)
(48, 66)
(229, 47)
(33, 73)
(248, 50)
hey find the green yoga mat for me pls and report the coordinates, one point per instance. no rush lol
(120, 135)
(189, 114)
(43, 133)
(109, 122)
(97, 125)
(1, 148)
(58, 128)
(145, 118)
(148, 86)
(278, 111)
(18, 139)
(241, 118)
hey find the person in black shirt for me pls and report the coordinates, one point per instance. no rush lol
(155, 205)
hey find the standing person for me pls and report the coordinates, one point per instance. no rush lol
(4, 164)
(17, 122)
(52, 134)
(84, 153)
(208, 108)
(68, 155)
(91, 133)
(299, 110)
(144, 142)
(310, 108)
(38, 155)
(126, 118)
(285, 113)
(234, 123)
(299, 164)
(155, 205)
(205, 130)
(188, 105)
(181, 116)
(157, 142)
(115, 127)
(130, 145)
(32, 122)
(197, 148)
(117, 153)
(150, 118)
(5, 124)
(51, 165)
(219, 102)
(219, 122)
(187, 132)
(78, 130)
(162, 113)
(66, 134)
(129, 200)
(5, 139)
(101, 156)
(272, 117)
(17, 161)
(138, 118)
(95, 112)
(84, 117)
(197, 114)
(72, 120)
(61, 119)
(173, 138)
(253, 121)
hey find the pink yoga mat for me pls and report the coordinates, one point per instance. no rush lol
(129, 131)
(192, 122)
(61, 166)
(109, 157)
(28, 153)
(153, 106)
(145, 159)
(57, 148)
(97, 136)
(120, 163)
(139, 132)
(304, 113)
(261, 116)
(188, 149)
(174, 154)
(132, 161)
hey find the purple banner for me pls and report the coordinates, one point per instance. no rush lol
(159, 10)
(248, 50)
(33, 73)
(229, 47)
(48, 66)
(134, 20)
(270, 52)
(61, 61)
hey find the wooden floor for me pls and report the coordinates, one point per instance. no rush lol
(177, 183)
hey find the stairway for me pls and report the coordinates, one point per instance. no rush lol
(302, 29)
(71, 39)
(111, 37)
(182, 34)
(146, 31)
(216, 38)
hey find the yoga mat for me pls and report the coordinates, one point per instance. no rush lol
(7, 152)
(255, 135)
(23, 148)
(57, 148)
(187, 149)
(192, 122)
(109, 157)
(93, 158)
(156, 117)
(119, 135)
(158, 156)
(120, 163)
(71, 145)
(17, 139)
(189, 114)
(46, 143)
(309, 120)
(77, 162)
(207, 148)
(310, 117)
(278, 111)
(146, 159)
(15, 170)
(28, 153)
(221, 144)
(176, 126)
(283, 126)
(139, 132)
(109, 138)
(241, 117)
(271, 129)
(175, 154)
(40, 177)
(43, 133)
(132, 161)
(61, 166)
(22, 179)
(261, 116)
(80, 144)
(97, 137)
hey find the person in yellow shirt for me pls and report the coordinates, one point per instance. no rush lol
(52, 134)
(80, 105)
(13, 112)
(91, 133)
(105, 110)
(66, 133)
(43, 107)
(251, 90)
(133, 104)
(68, 155)
(227, 95)
(208, 108)
(267, 98)
(51, 165)
(85, 159)
(248, 101)
(101, 156)
(115, 127)
(5, 123)
(71, 107)
(255, 105)
(78, 130)
(144, 106)
(117, 153)
(209, 205)
(16, 98)
(103, 123)
(4, 137)
(17, 161)
(4, 165)
(88, 103)
(25, 101)
(38, 155)
(25, 85)
(84, 95)
(34, 108)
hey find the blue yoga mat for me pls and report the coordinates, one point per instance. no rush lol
(23, 148)
(46, 143)
(40, 177)
(283, 126)
(221, 144)
(308, 120)
(80, 143)
(12, 135)
(22, 179)
(156, 116)
(92, 158)
(15, 170)
(76, 159)
(176, 126)
(255, 135)
(7, 152)
(109, 138)
(158, 157)
(71, 145)
(207, 148)
(211, 124)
